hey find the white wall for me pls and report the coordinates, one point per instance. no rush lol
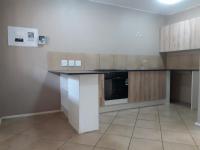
(72, 26)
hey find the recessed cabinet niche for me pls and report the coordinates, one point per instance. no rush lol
(184, 35)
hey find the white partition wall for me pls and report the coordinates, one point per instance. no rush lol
(198, 115)
(80, 101)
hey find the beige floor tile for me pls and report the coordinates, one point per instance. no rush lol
(173, 126)
(114, 142)
(106, 119)
(120, 130)
(61, 134)
(109, 114)
(98, 148)
(130, 113)
(169, 114)
(26, 120)
(124, 121)
(177, 146)
(149, 117)
(44, 145)
(72, 146)
(167, 107)
(177, 137)
(86, 139)
(192, 127)
(143, 144)
(17, 142)
(103, 127)
(147, 124)
(5, 134)
(151, 134)
(196, 136)
(171, 119)
(149, 110)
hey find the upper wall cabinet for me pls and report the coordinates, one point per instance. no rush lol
(185, 35)
(164, 39)
(195, 33)
(180, 36)
(174, 37)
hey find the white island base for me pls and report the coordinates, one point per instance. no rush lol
(80, 101)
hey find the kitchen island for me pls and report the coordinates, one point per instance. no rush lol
(81, 95)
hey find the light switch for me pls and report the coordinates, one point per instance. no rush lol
(71, 63)
(78, 63)
(64, 63)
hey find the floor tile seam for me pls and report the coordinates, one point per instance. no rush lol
(133, 129)
(74, 144)
(161, 131)
(95, 146)
(196, 145)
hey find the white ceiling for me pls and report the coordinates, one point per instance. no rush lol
(152, 6)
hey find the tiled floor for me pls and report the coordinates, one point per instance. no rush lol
(151, 128)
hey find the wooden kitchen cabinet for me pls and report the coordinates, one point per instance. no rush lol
(175, 33)
(106, 61)
(195, 33)
(120, 62)
(101, 90)
(180, 36)
(184, 35)
(164, 39)
(146, 86)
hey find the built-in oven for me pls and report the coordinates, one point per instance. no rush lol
(116, 86)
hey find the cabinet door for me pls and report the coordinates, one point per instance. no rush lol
(175, 36)
(106, 61)
(164, 39)
(101, 90)
(185, 35)
(120, 62)
(146, 86)
(195, 33)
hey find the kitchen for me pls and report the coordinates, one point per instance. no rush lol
(126, 72)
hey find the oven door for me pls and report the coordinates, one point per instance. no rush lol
(116, 88)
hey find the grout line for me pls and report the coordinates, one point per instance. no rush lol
(106, 130)
(134, 128)
(196, 145)
(160, 130)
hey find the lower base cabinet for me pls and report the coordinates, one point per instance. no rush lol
(146, 86)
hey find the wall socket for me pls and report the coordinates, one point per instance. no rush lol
(78, 63)
(64, 63)
(70, 63)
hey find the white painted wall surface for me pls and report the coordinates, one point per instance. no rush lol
(80, 101)
(89, 103)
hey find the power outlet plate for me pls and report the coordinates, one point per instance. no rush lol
(64, 63)
(78, 63)
(71, 63)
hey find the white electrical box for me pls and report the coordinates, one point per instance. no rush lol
(24, 37)
(71, 63)
(64, 63)
(78, 63)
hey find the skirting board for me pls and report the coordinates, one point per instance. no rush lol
(131, 106)
(197, 124)
(30, 114)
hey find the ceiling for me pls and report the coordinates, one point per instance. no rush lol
(152, 6)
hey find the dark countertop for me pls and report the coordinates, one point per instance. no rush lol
(99, 71)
